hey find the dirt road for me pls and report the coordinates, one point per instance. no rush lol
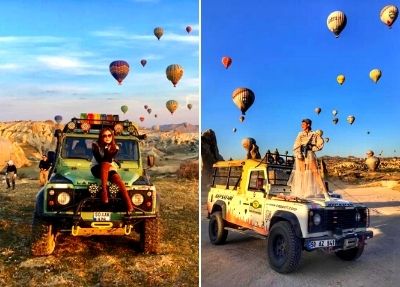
(242, 260)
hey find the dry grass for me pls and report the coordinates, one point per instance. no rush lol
(189, 169)
(102, 261)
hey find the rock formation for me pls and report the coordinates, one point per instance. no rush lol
(209, 155)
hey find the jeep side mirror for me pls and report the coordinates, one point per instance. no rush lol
(151, 160)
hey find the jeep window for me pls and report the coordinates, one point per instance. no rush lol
(81, 148)
(278, 175)
(257, 180)
(227, 177)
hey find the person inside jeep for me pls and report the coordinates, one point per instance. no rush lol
(103, 166)
(305, 180)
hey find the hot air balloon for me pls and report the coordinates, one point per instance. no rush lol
(241, 119)
(226, 61)
(350, 119)
(334, 112)
(234, 130)
(174, 73)
(158, 32)
(141, 118)
(319, 132)
(336, 22)
(327, 140)
(189, 106)
(317, 110)
(143, 62)
(171, 106)
(124, 109)
(188, 29)
(368, 132)
(146, 107)
(155, 115)
(149, 111)
(375, 75)
(335, 121)
(243, 99)
(247, 142)
(389, 15)
(119, 70)
(58, 119)
(340, 79)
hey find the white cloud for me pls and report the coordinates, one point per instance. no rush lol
(30, 39)
(9, 66)
(70, 65)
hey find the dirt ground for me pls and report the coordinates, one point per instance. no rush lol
(242, 261)
(102, 261)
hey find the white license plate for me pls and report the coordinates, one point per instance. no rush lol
(101, 216)
(322, 243)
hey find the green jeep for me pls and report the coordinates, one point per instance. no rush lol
(70, 201)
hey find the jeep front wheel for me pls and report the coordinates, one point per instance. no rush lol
(350, 254)
(284, 248)
(150, 236)
(43, 237)
(216, 229)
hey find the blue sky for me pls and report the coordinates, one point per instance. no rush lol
(55, 56)
(284, 52)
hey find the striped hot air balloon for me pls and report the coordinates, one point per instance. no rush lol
(336, 22)
(174, 73)
(119, 70)
(389, 15)
(243, 99)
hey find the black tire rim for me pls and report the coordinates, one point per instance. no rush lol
(279, 247)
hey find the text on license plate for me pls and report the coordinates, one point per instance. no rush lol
(101, 216)
(321, 243)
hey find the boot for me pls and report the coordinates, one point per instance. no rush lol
(104, 169)
(115, 178)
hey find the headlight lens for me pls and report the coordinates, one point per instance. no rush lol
(137, 199)
(63, 198)
(317, 219)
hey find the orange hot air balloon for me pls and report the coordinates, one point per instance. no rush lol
(143, 62)
(174, 73)
(158, 32)
(226, 61)
(141, 119)
(188, 29)
(243, 99)
(119, 70)
(171, 106)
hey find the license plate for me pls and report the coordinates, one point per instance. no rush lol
(101, 216)
(321, 243)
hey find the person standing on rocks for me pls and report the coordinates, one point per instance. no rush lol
(44, 166)
(11, 174)
(305, 180)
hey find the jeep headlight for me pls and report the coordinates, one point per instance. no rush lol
(317, 219)
(63, 198)
(358, 216)
(137, 199)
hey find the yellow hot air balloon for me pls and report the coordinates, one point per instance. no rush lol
(158, 32)
(375, 75)
(174, 73)
(336, 22)
(389, 15)
(171, 106)
(340, 79)
(243, 99)
(350, 119)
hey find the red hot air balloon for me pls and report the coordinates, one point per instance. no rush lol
(119, 70)
(143, 62)
(188, 29)
(141, 119)
(226, 61)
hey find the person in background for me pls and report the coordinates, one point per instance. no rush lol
(11, 174)
(105, 150)
(44, 166)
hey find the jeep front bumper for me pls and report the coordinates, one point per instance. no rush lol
(350, 240)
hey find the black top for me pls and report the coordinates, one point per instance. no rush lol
(103, 154)
(11, 168)
(44, 164)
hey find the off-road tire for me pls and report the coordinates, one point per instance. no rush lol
(284, 248)
(216, 229)
(150, 235)
(350, 254)
(43, 237)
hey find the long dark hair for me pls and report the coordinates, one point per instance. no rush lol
(113, 145)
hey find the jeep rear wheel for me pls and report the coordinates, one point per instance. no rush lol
(150, 236)
(43, 237)
(284, 248)
(350, 254)
(216, 229)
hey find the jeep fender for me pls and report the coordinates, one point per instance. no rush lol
(219, 205)
(287, 216)
(39, 205)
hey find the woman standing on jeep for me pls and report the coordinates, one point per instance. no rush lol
(305, 179)
(104, 152)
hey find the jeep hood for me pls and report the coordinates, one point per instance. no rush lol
(333, 202)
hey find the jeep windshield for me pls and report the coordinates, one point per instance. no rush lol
(81, 148)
